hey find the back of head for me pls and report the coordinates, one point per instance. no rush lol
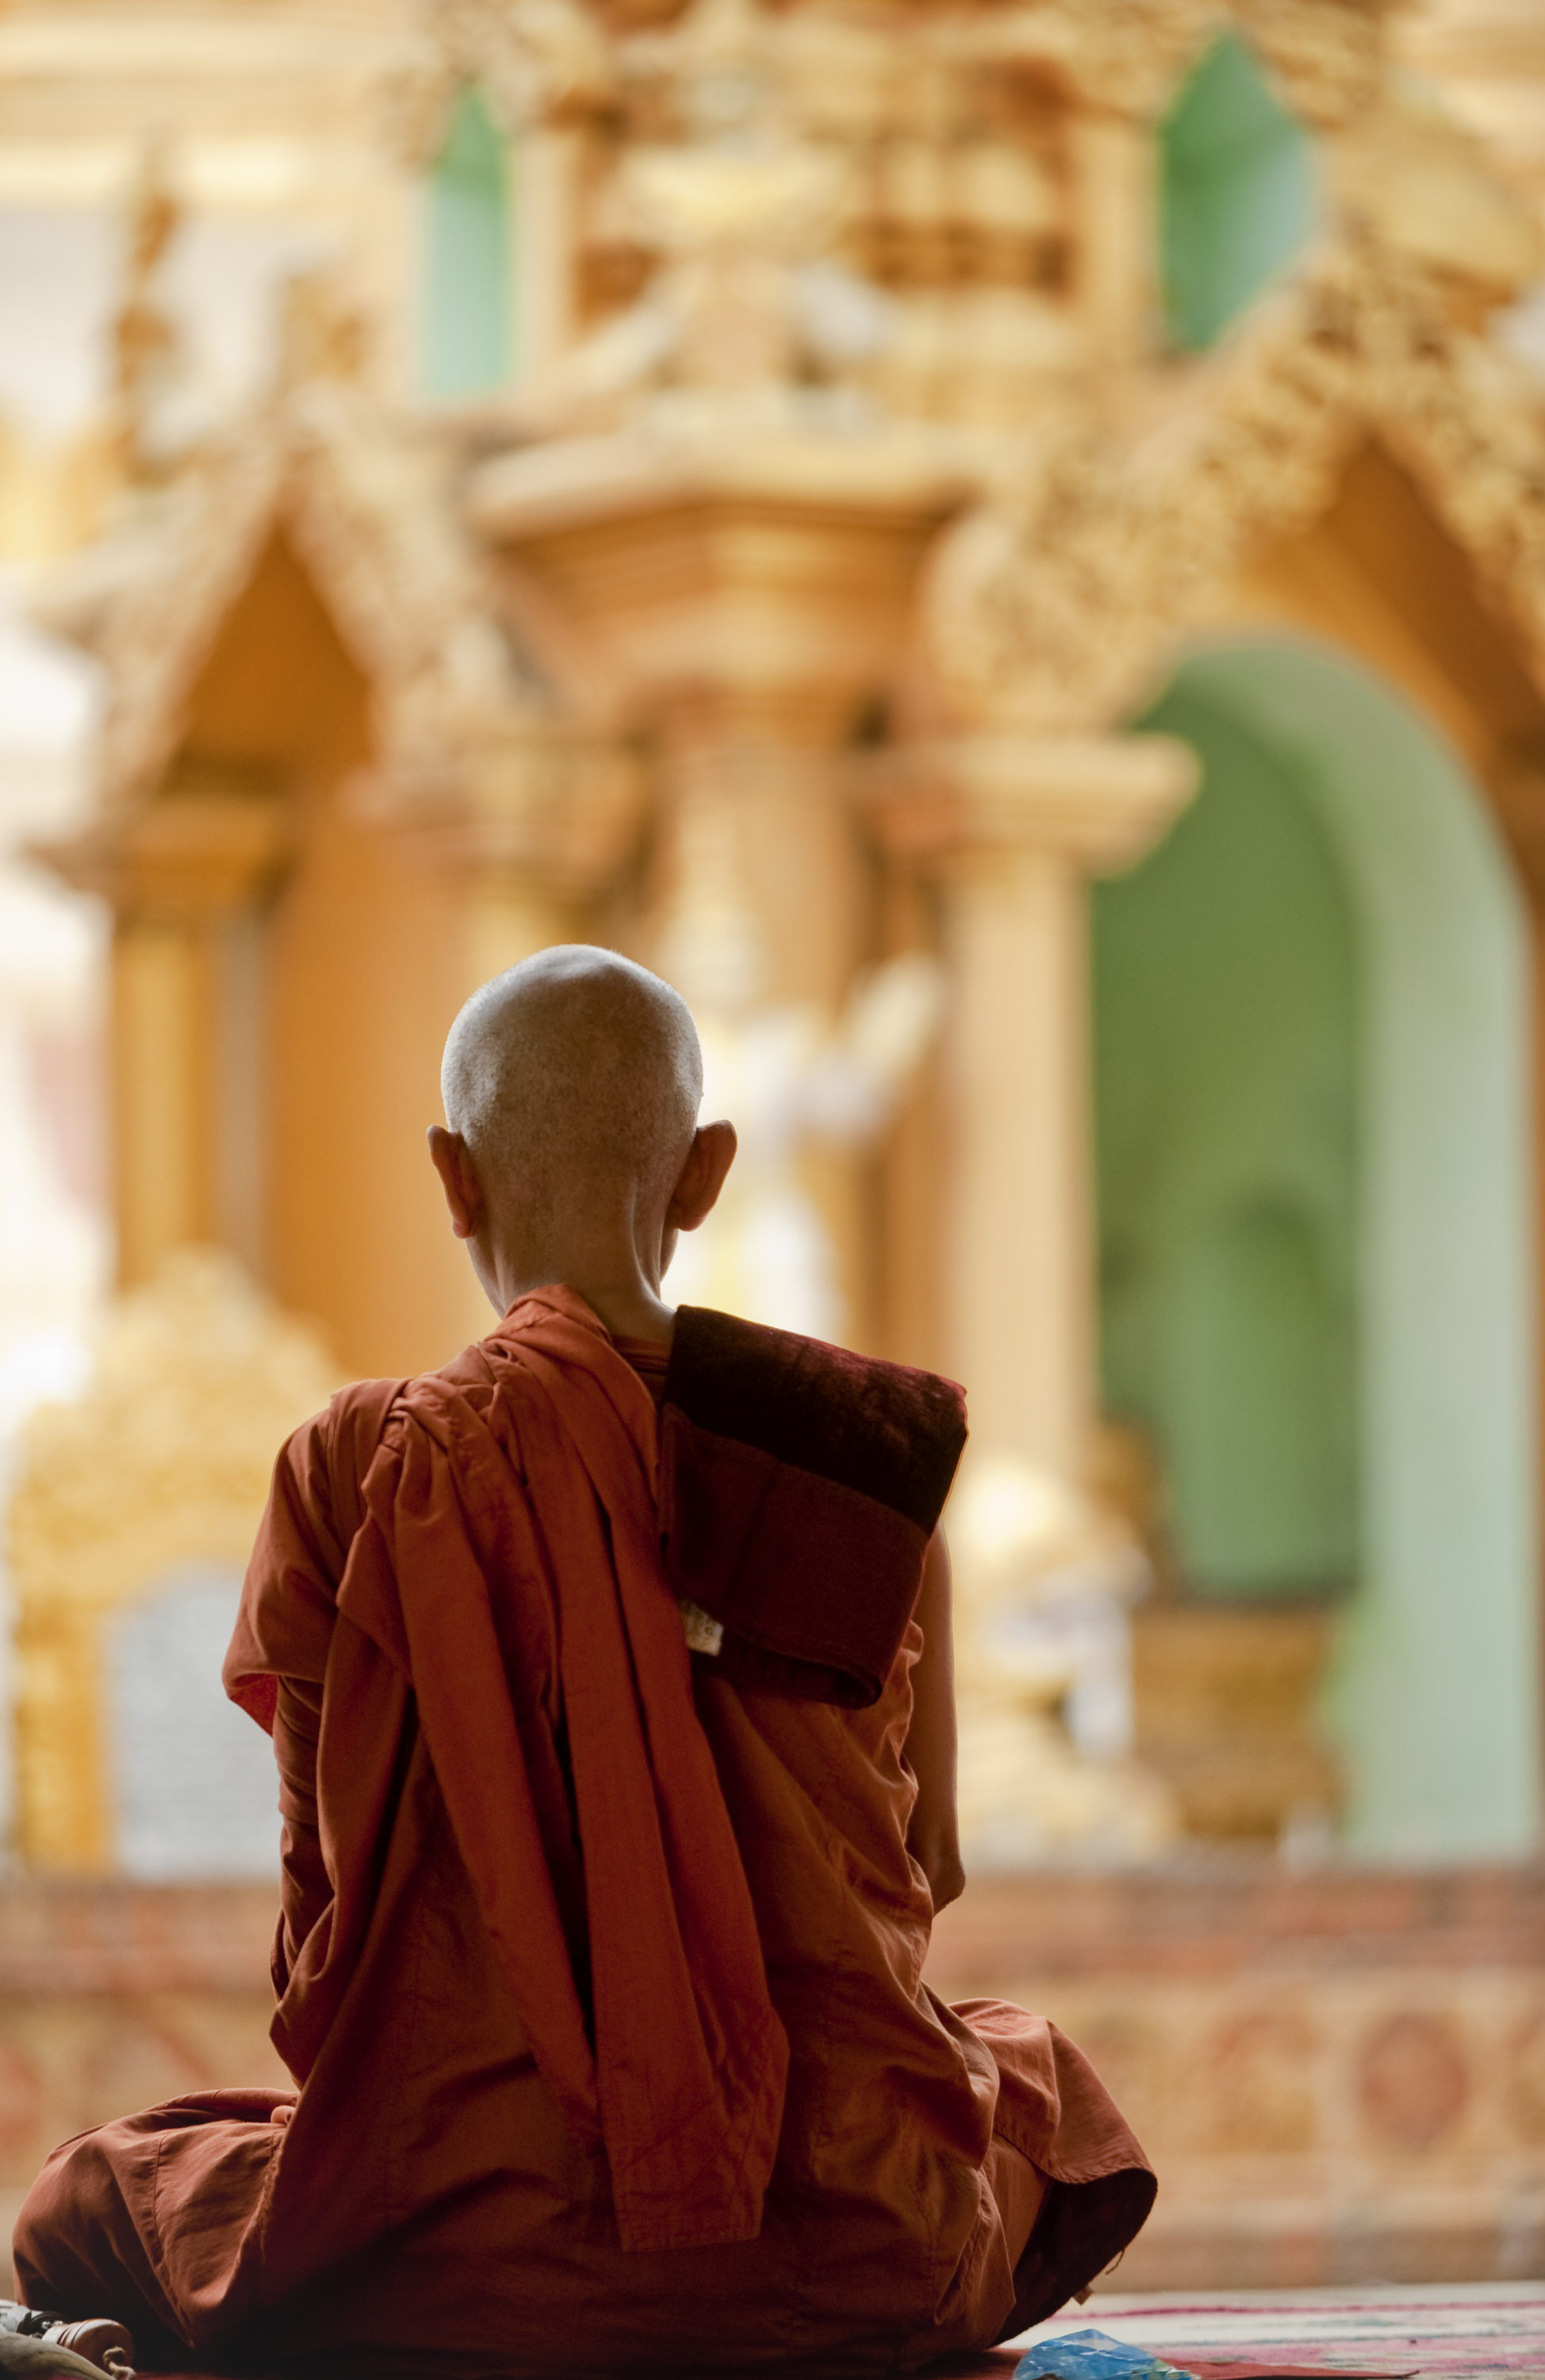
(573, 1077)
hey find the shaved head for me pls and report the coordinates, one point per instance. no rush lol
(573, 1075)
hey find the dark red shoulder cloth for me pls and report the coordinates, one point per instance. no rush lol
(800, 1485)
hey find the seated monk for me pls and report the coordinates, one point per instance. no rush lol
(608, 1670)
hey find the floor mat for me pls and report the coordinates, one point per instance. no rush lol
(1001, 2362)
(1441, 2333)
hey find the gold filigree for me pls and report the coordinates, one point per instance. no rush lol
(165, 1460)
(1055, 604)
(1328, 56)
(534, 61)
(370, 509)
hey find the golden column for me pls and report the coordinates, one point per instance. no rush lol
(177, 869)
(1013, 826)
(742, 598)
(531, 823)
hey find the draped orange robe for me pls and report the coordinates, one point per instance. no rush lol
(599, 1977)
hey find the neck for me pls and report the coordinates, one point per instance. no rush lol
(619, 1282)
(629, 1311)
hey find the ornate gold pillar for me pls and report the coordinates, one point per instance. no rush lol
(164, 973)
(164, 1463)
(738, 600)
(741, 598)
(176, 871)
(1012, 826)
(532, 821)
(767, 775)
(1116, 285)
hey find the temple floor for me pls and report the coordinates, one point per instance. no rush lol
(1439, 2331)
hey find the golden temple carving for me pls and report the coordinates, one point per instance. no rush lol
(1055, 604)
(366, 507)
(163, 1462)
(851, 493)
(541, 59)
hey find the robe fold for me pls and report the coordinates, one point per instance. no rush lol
(598, 1963)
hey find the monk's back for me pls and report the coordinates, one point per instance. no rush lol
(426, 2117)
(600, 1733)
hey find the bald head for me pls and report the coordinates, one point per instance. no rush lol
(572, 1077)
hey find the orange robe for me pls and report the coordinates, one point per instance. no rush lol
(598, 1974)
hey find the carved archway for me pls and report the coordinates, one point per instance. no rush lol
(1054, 606)
(1432, 1681)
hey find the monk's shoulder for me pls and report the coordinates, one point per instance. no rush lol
(366, 1413)
(465, 1374)
(353, 1422)
(322, 1464)
(483, 1385)
(488, 1373)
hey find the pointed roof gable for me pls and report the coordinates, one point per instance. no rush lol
(371, 512)
(1054, 605)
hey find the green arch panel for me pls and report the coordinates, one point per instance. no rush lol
(467, 256)
(1434, 1698)
(1259, 1399)
(1224, 995)
(1236, 192)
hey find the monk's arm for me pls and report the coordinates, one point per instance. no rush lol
(276, 1664)
(305, 1888)
(932, 1837)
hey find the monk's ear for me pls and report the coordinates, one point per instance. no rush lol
(702, 1177)
(458, 1178)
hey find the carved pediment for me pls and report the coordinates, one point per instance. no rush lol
(1056, 603)
(370, 509)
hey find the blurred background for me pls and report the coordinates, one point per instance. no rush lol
(1001, 548)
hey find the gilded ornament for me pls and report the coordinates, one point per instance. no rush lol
(165, 1461)
(1058, 601)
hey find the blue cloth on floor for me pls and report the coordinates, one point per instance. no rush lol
(1091, 2355)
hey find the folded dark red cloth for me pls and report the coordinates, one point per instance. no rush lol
(800, 1485)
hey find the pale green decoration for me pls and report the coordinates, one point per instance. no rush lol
(1261, 1398)
(1435, 1695)
(467, 258)
(1225, 1107)
(1236, 193)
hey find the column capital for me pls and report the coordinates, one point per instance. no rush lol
(204, 846)
(1096, 801)
(777, 569)
(545, 805)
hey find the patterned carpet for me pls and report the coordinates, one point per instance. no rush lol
(1479, 2332)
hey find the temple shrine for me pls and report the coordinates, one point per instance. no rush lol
(1003, 548)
